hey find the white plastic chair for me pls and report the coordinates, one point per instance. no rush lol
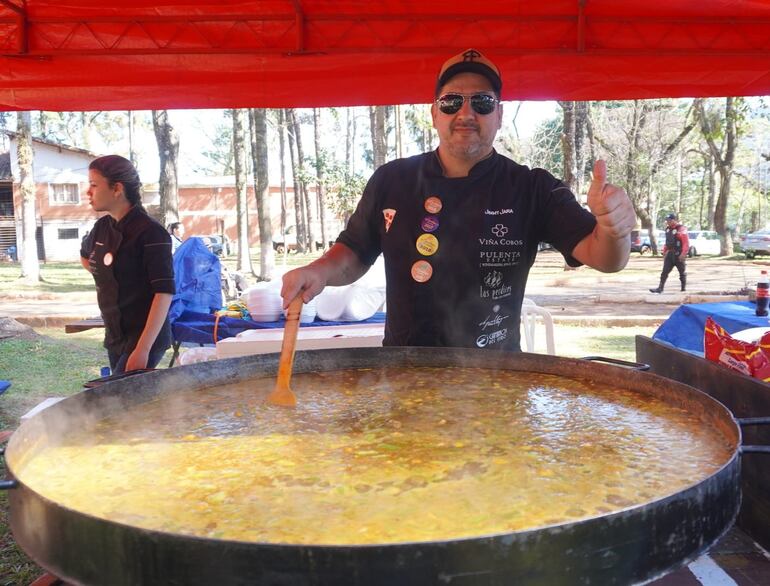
(531, 314)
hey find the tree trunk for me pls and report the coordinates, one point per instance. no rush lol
(258, 119)
(348, 136)
(307, 209)
(168, 150)
(30, 266)
(724, 161)
(379, 138)
(319, 171)
(569, 170)
(399, 129)
(133, 156)
(581, 126)
(299, 201)
(282, 152)
(85, 132)
(243, 263)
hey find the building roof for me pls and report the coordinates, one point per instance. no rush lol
(62, 147)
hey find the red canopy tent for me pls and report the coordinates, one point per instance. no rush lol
(112, 54)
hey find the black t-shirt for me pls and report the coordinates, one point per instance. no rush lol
(479, 246)
(130, 261)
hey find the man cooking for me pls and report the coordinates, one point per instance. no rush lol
(459, 227)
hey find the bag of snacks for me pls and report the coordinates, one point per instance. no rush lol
(749, 358)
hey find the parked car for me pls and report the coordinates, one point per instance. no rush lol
(703, 242)
(216, 244)
(637, 241)
(289, 242)
(644, 246)
(756, 243)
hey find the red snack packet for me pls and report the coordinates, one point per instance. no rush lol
(749, 358)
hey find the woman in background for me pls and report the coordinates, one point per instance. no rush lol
(176, 229)
(129, 255)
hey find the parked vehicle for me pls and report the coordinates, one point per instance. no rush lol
(703, 242)
(289, 241)
(637, 241)
(216, 244)
(644, 247)
(756, 243)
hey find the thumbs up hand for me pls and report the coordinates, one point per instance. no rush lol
(610, 204)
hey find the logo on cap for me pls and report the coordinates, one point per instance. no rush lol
(471, 55)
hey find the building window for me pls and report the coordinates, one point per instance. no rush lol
(68, 233)
(64, 193)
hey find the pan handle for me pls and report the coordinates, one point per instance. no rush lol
(754, 421)
(626, 363)
(100, 381)
(755, 450)
(7, 484)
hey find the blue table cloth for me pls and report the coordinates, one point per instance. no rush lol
(684, 328)
(198, 328)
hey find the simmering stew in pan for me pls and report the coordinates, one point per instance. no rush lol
(379, 456)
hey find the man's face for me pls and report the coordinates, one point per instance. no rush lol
(466, 134)
(670, 223)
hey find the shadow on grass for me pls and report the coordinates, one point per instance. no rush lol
(56, 278)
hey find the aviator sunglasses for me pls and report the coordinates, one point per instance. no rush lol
(481, 103)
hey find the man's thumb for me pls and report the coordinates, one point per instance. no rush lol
(599, 179)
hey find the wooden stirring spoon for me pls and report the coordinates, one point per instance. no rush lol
(282, 394)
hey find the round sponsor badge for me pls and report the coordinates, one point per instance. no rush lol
(427, 244)
(422, 271)
(429, 223)
(433, 205)
(108, 259)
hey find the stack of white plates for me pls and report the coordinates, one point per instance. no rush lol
(307, 315)
(331, 302)
(263, 302)
(352, 303)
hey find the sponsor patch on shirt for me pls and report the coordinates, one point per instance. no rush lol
(389, 214)
(427, 244)
(433, 205)
(430, 223)
(108, 259)
(422, 271)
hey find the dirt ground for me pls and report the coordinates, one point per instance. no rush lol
(586, 296)
(576, 297)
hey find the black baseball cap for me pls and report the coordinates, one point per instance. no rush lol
(671, 217)
(469, 61)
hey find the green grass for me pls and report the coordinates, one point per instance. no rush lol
(60, 277)
(46, 367)
(580, 341)
(70, 277)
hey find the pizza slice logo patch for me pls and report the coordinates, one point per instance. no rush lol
(389, 214)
